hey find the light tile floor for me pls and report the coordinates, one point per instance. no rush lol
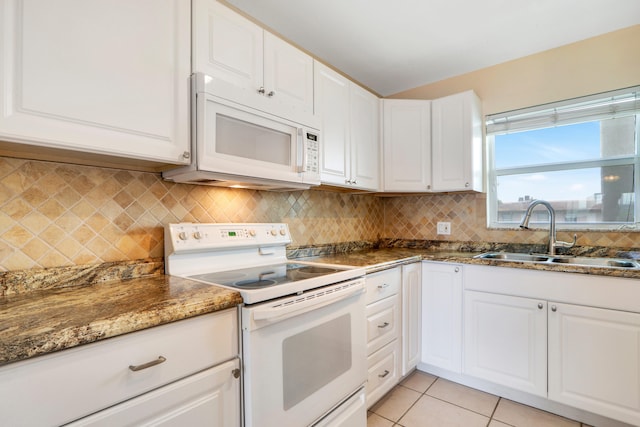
(423, 400)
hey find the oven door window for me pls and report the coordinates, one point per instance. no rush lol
(314, 358)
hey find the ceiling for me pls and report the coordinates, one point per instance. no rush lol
(394, 45)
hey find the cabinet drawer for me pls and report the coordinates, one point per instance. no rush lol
(383, 373)
(211, 398)
(383, 323)
(74, 383)
(383, 284)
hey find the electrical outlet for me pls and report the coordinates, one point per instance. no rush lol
(444, 228)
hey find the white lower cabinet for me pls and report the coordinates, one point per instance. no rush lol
(505, 340)
(384, 345)
(594, 360)
(442, 315)
(572, 339)
(210, 396)
(411, 316)
(182, 373)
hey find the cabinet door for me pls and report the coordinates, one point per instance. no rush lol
(457, 143)
(288, 77)
(411, 315)
(101, 77)
(364, 139)
(210, 398)
(594, 360)
(407, 145)
(332, 105)
(505, 340)
(228, 48)
(442, 316)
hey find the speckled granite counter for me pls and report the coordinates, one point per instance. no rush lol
(42, 321)
(54, 309)
(387, 257)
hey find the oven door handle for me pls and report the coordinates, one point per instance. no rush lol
(281, 312)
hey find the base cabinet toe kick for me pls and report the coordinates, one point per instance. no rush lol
(567, 343)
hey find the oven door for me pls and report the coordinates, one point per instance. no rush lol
(303, 355)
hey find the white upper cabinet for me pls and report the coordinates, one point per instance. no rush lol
(407, 145)
(433, 145)
(251, 66)
(365, 139)
(102, 77)
(456, 130)
(350, 137)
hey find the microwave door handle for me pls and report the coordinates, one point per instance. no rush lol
(302, 147)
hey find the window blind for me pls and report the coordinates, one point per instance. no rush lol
(619, 103)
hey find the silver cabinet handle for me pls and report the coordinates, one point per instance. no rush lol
(384, 325)
(158, 361)
(261, 90)
(386, 372)
(236, 373)
(457, 269)
(540, 305)
(383, 286)
(270, 94)
(554, 308)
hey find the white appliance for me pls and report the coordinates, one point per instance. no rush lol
(238, 146)
(302, 323)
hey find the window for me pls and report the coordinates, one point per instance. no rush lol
(580, 155)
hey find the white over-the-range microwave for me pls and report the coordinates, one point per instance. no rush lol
(237, 146)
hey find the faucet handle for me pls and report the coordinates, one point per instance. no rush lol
(560, 244)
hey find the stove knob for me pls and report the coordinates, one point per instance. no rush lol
(283, 232)
(182, 235)
(274, 232)
(197, 235)
(252, 233)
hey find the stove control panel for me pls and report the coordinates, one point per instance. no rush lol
(194, 237)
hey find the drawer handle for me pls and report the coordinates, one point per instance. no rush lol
(384, 325)
(158, 361)
(386, 372)
(383, 286)
(236, 373)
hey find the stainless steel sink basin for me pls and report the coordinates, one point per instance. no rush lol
(561, 259)
(506, 256)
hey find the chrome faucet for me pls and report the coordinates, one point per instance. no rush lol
(553, 243)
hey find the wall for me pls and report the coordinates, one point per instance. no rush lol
(598, 64)
(603, 63)
(54, 214)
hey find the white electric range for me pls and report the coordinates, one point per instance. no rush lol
(302, 323)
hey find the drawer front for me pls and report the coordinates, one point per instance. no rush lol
(73, 383)
(383, 284)
(384, 372)
(209, 398)
(383, 323)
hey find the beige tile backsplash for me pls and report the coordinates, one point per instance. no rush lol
(54, 214)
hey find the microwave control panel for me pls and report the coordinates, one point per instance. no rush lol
(312, 152)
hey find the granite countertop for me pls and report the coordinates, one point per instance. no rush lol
(43, 321)
(55, 309)
(383, 258)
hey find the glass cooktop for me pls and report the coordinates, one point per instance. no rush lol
(265, 276)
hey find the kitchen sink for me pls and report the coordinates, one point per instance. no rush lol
(562, 259)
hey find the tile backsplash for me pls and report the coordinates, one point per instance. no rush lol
(54, 214)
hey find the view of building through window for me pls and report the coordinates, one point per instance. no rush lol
(585, 170)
